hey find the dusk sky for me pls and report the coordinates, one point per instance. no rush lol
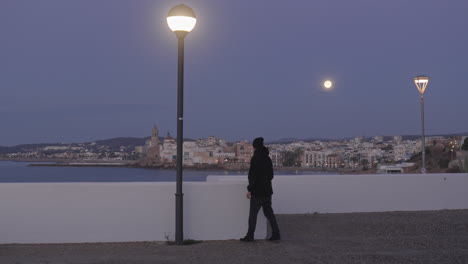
(76, 71)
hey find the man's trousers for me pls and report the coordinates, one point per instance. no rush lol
(255, 204)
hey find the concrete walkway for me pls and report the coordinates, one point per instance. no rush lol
(393, 237)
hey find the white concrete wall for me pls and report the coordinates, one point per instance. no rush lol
(364, 193)
(115, 212)
(216, 209)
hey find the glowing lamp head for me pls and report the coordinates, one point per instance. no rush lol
(421, 83)
(181, 18)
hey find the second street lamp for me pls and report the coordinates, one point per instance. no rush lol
(181, 19)
(421, 83)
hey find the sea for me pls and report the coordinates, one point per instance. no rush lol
(11, 171)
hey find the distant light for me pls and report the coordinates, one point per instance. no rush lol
(181, 18)
(327, 84)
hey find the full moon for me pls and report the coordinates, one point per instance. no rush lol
(327, 84)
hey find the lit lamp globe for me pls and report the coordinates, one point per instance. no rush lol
(181, 19)
(421, 83)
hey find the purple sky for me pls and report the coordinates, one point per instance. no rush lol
(74, 71)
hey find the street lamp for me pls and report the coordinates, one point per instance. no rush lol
(181, 20)
(452, 144)
(421, 83)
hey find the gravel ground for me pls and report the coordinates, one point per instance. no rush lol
(391, 237)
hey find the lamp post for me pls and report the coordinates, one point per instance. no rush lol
(181, 20)
(421, 83)
(453, 145)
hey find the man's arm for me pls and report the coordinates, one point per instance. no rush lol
(251, 185)
(270, 167)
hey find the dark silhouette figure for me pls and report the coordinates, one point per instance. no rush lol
(260, 191)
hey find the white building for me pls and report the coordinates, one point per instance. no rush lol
(315, 158)
(169, 150)
(399, 152)
(397, 139)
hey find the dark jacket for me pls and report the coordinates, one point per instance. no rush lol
(260, 174)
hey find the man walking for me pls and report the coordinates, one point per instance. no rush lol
(259, 191)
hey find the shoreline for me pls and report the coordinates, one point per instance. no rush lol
(134, 164)
(74, 164)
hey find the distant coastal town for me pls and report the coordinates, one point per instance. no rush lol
(378, 154)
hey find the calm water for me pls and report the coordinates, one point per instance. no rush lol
(20, 172)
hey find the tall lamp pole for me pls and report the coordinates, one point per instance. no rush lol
(421, 83)
(181, 20)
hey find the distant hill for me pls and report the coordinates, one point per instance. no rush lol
(386, 138)
(414, 137)
(291, 140)
(27, 147)
(114, 144)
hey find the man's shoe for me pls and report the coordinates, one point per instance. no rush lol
(247, 239)
(275, 238)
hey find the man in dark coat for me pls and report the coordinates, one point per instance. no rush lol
(260, 191)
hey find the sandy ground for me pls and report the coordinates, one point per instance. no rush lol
(392, 237)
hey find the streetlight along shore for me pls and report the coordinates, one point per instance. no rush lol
(181, 20)
(421, 83)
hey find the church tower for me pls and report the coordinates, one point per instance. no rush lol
(153, 151)
(154, 137)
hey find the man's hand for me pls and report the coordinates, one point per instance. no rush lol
(248, 195)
